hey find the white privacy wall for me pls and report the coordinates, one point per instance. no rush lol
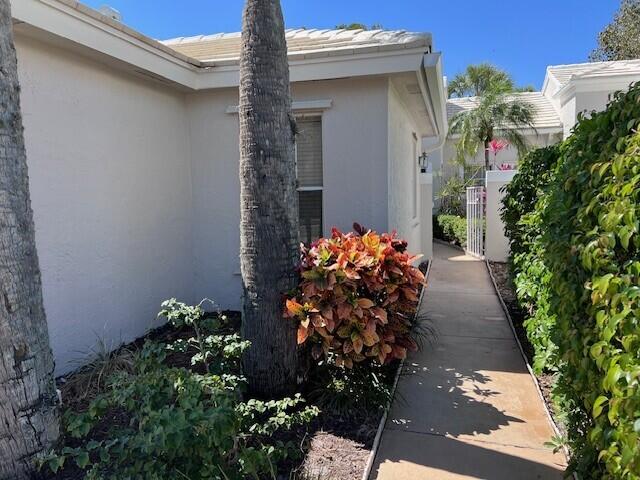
(496, 243)
(108, 158)
(404, 192)
(354, 170)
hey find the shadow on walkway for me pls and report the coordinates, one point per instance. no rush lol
(466, 406)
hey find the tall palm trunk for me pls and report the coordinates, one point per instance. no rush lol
(269, 202)
(28, 406)
(487, 161)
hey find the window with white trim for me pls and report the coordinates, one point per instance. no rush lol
(309, 172)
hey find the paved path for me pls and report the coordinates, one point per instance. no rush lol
(466, 406)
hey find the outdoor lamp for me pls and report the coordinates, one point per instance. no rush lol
(423, 162)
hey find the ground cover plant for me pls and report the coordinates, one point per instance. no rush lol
(588, 219)
(179, 412)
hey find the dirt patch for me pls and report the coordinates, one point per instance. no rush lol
(506, 288)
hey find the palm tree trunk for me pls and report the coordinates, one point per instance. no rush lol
(28, 401)
(269, 201)
(487, 164)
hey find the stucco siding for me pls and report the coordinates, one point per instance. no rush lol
(354, 150)
(404, 194)
(110, 180)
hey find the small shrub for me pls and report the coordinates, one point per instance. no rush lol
(357, 298)
(451, 228)
(166, 421)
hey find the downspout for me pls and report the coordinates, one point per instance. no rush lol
(436, 98)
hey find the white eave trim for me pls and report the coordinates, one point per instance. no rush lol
(616, 82)
(435, 96)
(65, 19)
(308, 106)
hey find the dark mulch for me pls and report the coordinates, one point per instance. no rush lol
(518, 315)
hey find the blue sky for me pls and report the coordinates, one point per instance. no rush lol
(521, 36)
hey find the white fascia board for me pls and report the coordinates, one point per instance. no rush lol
(434, 91)
(70, 24)
(599, 84)
(327, 67)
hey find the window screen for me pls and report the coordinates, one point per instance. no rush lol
(309, 171)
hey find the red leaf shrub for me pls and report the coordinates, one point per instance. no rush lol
(357, 297)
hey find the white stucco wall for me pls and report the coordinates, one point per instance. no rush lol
(135, 187)
(108, 158)
(354, 170)
(496, 243)
(404, 192)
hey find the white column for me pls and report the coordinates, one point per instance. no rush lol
(497, 245)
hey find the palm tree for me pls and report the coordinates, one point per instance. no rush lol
(479, 79)
(28, 400)
(269, 245)
(495, 113)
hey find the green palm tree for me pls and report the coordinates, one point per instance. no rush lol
(479, 79)
(496, 114)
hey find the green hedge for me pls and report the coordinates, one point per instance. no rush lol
(451, 228)
(522, 227)
(583, 233)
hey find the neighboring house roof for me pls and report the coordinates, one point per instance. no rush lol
(226, 46)
(565, 73)
(545, 114)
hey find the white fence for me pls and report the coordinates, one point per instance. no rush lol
(475, 221)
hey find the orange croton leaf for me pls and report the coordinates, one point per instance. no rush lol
(294, 308)
(358, 344)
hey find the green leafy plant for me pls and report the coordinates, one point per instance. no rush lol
(583, 236)
(357, 298)
(451, 228)
(165, 421)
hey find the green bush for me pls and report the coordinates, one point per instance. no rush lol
(169, 422)
(591, 244)
(535, 172)
(523, 228)
(451, 228)
(583, 238)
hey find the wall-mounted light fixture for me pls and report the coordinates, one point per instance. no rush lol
(423, 162)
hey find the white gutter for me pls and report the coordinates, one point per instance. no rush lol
(432, 70)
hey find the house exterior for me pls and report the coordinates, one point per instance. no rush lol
(568, 91)
(132, 149)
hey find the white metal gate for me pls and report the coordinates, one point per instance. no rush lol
(475, 221)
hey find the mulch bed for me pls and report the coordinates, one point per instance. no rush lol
(506, 288)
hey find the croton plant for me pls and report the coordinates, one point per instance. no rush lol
(357, 297)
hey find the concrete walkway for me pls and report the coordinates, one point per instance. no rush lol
(466, 406)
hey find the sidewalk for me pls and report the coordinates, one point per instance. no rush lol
(466, 406)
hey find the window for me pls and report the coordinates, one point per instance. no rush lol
(309, 171)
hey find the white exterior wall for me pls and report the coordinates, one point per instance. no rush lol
(135, 188)
(110, 181)
(354, 131)
(496, 243)
(404, 192)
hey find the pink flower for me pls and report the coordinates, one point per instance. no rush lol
(506, 166)
(497, 145)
